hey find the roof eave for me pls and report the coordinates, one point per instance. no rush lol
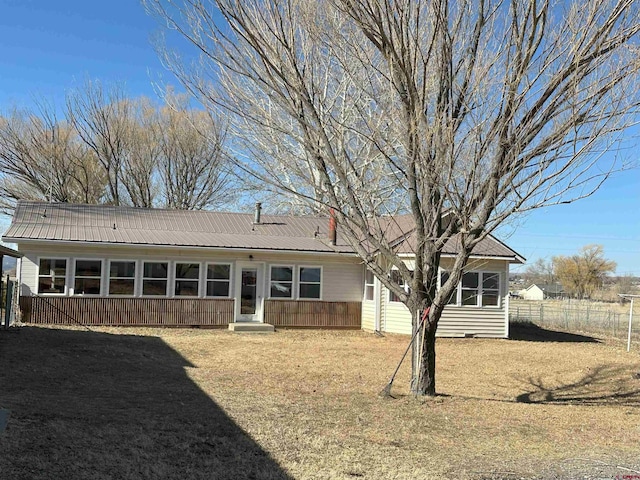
(194, 247)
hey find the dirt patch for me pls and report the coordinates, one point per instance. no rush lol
(154, 403)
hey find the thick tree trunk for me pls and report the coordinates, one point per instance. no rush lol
(426, 380)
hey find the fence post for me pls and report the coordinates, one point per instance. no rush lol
(541, 314)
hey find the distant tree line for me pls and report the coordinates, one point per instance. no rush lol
(108, 148)
(581, 275)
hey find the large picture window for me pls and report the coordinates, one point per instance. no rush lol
(155, 276)
(122, 277)
(310, 282)
(52, 275)
(281, 282)
(87, 277)
(218, 280)
(187, 281)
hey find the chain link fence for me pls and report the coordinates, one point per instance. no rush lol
(577, 316)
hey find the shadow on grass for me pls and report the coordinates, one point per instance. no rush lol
(605, 384)
(531, 332)
(88, 405)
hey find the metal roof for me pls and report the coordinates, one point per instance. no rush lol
(10, 252)
(66, 222)
(141, 226)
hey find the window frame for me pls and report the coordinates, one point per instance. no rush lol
(74, 277)
(497, 290)
(207, 279)
(391, 297)
(175, 279)
(136, 274)
(371, 285)
(480, 289)
(66, 276)
(300, 282)
(456, 292)
(143, 278)
(292, 296)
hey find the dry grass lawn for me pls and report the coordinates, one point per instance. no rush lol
(196, 404)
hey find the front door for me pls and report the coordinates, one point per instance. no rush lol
(249, 301)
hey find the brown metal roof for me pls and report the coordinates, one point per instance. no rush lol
(128, 225)
(141, 226)
(488, 247)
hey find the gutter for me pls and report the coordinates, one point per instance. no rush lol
(72, 243)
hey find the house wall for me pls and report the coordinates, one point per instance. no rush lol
(532, 293)
(457, 321)
(368, 315)
(341, 285)
(342, 276)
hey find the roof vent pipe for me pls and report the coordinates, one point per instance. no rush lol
(256, 218)
(333, 234)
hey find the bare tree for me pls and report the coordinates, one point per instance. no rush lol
(143, 158)
(193, 169)
(103, 117)
(42, 158)
(115, 149)
(459, 113)
(541, 271)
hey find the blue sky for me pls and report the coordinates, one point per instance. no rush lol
(48, 47)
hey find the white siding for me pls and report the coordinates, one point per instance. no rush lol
(368, 315)
(532, 293)
(457, 321)
(342, 281)
(342, 277)
(29, 274)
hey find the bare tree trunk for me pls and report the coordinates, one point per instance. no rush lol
(426, 380)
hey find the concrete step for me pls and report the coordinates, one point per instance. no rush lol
(251, 327)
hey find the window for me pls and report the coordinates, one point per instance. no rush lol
(187, 279)
(470, 284)
(122, 276)
(490, 289)
(218, 280)
(281, 282)
(453, 299)
(310, 281)
(87, 277)
(397, 279)
(52, 274)
(155, 278)
(369, 279)
(476, 289)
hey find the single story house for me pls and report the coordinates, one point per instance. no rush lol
(543, 291)
(107, 265)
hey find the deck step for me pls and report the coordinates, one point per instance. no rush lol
(251, 327)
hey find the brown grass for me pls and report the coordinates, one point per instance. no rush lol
(180, 404)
